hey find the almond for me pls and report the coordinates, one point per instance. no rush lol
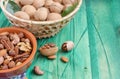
(64, 59)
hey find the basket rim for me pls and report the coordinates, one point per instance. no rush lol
(41, 22)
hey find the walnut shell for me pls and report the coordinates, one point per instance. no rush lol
(41, 14)
(38, 3)
(26, 2)
(22, 15)
(29, 9)
(53, 16)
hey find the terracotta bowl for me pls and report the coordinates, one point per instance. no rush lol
(24, 66)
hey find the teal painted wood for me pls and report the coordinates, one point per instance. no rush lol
(95, 30)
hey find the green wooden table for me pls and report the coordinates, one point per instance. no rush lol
(95, 30)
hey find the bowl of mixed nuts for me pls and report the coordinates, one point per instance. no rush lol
(44, 18)
(17, 50)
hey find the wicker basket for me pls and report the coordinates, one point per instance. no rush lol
(38, 28)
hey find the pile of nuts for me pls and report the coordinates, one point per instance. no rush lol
(50, 49)
(15, 48)
(42, 10)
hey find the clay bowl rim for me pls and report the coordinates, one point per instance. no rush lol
(33, 42)
(42, 22)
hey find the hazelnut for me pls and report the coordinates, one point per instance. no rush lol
(11, 64)
(48, 3)
(53, 16)
(67, 46)
(18, 63)
(64, 59)
(41, 14)
(29, 9)
(26, 2)
(12, 52)
(1, 60)
(22, 15)
(6, 61)
(56, 7)
(38, 71)
(38, 3)
(48, 49)
(4, 67)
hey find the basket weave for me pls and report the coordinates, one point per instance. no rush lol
(38, 28)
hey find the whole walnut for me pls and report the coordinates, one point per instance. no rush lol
(53, 16)
(60, 1)
(29, 9)
(48, 3)
(41, 14)
(38, 3)
(56, 7)
(67, 2)
(26, 2)
(22, 15)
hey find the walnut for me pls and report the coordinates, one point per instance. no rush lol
(60, 1)
(53, 16)
(38, 3)
(22, 15)
(24, 46)
(29, 9)
(41, 14)
(56, 7)
(48, 3)
(26, 2)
